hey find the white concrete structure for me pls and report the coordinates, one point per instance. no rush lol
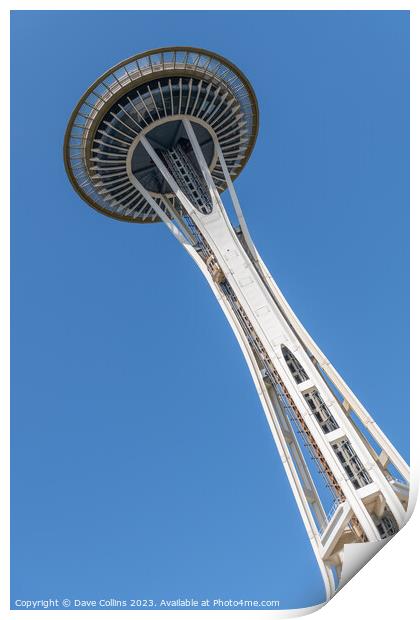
(160, 137)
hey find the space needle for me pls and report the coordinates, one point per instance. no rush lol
(159, 138)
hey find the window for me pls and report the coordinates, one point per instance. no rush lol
(387, 525)
(294, 366)
(320, 411)
(351, 463)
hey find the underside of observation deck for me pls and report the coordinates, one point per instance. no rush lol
(150, 94)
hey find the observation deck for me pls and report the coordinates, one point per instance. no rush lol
(150, 94)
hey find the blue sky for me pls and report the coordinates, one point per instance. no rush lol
(142, 464)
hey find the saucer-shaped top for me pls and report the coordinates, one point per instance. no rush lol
(149, 94)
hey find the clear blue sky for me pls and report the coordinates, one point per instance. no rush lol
(142, 464)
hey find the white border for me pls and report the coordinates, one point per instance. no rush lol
(386, 586)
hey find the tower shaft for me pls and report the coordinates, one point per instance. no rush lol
(310, 410)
